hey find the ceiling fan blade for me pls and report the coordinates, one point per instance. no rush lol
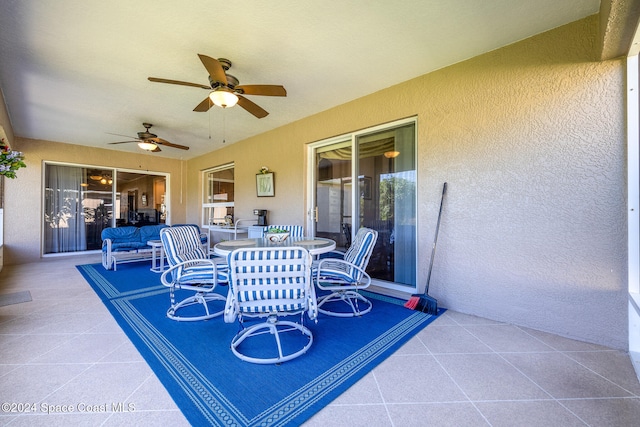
(214, 68)
(178, 82)
(119, 134)
(251, 107)
(124, 142)
(267, 90)
(204, 106)
(169, 144)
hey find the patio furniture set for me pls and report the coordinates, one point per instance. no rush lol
(271, 285)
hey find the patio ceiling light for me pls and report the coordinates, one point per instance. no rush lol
(223, 98)
(146, 145)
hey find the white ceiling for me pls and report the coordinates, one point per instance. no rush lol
(75, 71)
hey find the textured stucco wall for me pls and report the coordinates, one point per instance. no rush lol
(531, 140)
(535, 228)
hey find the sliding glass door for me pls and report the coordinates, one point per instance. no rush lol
(383, 163)
(79, 202)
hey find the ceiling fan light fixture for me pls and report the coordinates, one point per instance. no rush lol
(391, 154)
(148, 146)
(223, 98)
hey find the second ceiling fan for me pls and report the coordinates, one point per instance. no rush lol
(149, 141)
(225, 88)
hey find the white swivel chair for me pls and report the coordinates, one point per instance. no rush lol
(344, 277)
(265, 285)
(190, 269)
(204, 237)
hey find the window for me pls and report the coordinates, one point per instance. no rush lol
(218, 193)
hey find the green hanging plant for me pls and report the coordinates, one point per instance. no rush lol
(10, 161)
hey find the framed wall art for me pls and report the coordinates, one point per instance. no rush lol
(265, 187)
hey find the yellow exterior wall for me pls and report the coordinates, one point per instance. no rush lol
(530, 139)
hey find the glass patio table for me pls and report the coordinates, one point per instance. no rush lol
(315, 245)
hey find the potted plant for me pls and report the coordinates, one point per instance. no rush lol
(276, 235)
(10, 161)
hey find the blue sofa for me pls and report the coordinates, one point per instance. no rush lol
(128, 244)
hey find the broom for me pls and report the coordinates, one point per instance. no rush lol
(424, 302)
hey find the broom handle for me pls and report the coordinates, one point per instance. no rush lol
(435, 239)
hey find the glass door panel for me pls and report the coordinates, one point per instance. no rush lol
(140, 199)
(387, 176)
(333, 193)
(384, 164)
(78, 204)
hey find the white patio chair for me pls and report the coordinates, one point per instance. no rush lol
(343, 278)
(269, 284)
(190, 269)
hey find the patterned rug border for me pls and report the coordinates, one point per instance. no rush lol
(212, 405)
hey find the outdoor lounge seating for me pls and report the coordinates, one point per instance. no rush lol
(190, 270)
(343, 278)
(270, 283)
(128, 244)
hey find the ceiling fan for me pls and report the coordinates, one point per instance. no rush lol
(225, 88)
(149, 141)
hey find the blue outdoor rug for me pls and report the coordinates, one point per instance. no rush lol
(213, 387)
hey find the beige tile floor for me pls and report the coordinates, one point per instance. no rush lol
(64, 348)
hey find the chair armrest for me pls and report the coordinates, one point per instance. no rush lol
(354, 281)
(312, 303)
(231, 308)
(180, 267)
(107, 261)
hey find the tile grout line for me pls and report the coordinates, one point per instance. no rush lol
(525, 375)
(452, 379)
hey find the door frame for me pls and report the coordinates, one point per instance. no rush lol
(114, 192)
(311, 182)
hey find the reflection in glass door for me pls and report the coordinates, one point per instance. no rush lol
(333, 193)
(383, 162)
(387, 175)
(79, 202)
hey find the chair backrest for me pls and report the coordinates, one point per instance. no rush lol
(361, 249)
(294, 230)
(266, 281)
(181, 243)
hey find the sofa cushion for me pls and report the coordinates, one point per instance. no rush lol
(121, 234)
(150, 232)
(128, 246)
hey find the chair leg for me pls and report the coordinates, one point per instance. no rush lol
(350, 298)
(274, 327)
(199, 298)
